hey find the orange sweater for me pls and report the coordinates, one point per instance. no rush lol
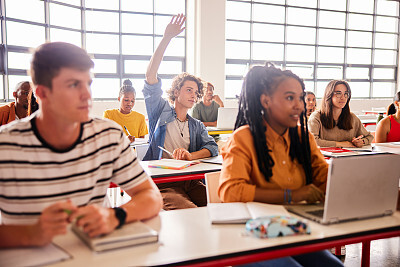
(7, 113)
(240, 173)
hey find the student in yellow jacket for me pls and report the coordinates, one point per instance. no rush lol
(133, 123)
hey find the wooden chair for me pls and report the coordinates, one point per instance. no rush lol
(212, 182)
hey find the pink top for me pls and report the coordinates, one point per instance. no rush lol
(394, 133)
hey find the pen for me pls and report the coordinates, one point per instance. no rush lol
(126, 129)
(361, 136)
(166, 151)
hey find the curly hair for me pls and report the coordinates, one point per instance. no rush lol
(178, 82)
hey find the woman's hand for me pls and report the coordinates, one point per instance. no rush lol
(309, 193)
(175, 27)
(345, 144)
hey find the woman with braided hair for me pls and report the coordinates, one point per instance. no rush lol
(271, 157)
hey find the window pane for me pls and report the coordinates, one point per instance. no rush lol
(386, 24)
(102, 43)
(266, 32)
(359, 39)
(102, 21)
(170, 6)
(102, 4)
(61, 16)
(300, 16)
(238, 10)
(237, 30)
(57, 35)
(385, 57)
(137, 5)
(236, 69)
(321, 88)
(175, 48)
(358, 56)
(301, 35)
(26, 10)
(19, 60)
(300, 53)
(237, 50)
(309, 85)
(137, 45)
(333, 5)
(138, 85)
(170, 67)
(359, 89)
(268, 52)
(267, 13)
(305, 3)
(304, 72)
(13, 80)
(105, 88)
(384, 40)
(383, 89)
(331, 37)
(332, 19)
(361, 6)
(233, 88)
(105, 66)
(357, 73)
(388, 8)
(360, 22)
(383, 73)
(136, 23)
(324, 72)
(33, 35)
(136, 66)
(330, 55)
(71, 2)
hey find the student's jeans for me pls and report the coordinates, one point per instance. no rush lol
(319, 258)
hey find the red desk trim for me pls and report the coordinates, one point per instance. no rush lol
(185, 177)
(300, 249)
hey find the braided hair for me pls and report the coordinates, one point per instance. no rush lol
(126, 88)
(264, 80)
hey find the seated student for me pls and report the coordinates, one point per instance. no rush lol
(334, 125)
(388, 129)
(270, 158)
(311, 103)
(18, 109)
(56, 165)
(172, 128)
(207, 110)
(134, 121)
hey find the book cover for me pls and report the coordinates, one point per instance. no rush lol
(336, 151)
(130, 234)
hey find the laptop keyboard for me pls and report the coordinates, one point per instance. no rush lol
(318, 213)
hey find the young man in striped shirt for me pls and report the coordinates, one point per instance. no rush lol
(56, 165)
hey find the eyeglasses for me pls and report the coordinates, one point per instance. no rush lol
(339, 94)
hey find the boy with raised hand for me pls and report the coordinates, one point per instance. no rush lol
(172, 128)
(56, 165)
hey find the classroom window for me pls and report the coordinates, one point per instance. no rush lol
(342, 39)
(120, 36)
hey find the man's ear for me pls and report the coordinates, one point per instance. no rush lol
(119, 98)
(41, 91)
(15, 95)
(176, 92)
(265, 100)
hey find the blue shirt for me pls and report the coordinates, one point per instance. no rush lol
(160, 113)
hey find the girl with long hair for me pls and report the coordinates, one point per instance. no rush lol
(388, 129)
(334, 125)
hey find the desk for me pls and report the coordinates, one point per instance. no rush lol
(187, 237)
(393, 147)
(193, 172)
(216, 131)
(367, 122)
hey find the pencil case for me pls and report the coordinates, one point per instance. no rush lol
(274, 226)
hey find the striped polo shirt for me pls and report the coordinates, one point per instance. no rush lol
(34, 175)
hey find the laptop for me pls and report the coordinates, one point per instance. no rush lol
(358, 187)
(226, 119)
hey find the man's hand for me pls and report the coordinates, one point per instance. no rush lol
(52, 222)
(175, 27)
(95, 220)
(218, 100)
(182, 154)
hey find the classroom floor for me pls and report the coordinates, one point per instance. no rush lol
(384, 252)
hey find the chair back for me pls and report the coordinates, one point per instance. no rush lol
(212, 182)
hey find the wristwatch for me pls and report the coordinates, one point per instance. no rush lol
(120, 214)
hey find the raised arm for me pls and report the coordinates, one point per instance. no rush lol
(174, 28)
